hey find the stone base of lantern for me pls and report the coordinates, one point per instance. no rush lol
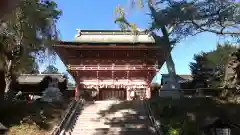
(170, 89)
(171, 93)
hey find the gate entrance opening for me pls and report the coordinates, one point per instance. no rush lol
(112, 93)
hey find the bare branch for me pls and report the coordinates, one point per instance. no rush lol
(220, 32)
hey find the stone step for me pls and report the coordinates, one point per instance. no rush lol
(109, 121)
(112, 132)
(114, 116)
(95, 126)
(89, 112)
(88, 117)
(117, 129)
(100, 125)
(117, 122)
(89, 122)
(92, 120)
(100, 108)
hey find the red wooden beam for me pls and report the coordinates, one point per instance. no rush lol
(112, 68)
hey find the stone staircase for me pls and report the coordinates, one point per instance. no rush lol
(88, 121)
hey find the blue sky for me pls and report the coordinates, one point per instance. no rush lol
(99, 14)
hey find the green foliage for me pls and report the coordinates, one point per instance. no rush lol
(191, 113)
(201, 71)
(209, 68)
(184, 18)
(123, 22)
(221, 54)
(233, 70)
(25, 34)
(51, 69)
(31, 27)
(26, 65)
(173, 117)
(173, 20)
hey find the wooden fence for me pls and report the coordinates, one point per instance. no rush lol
(202, 92)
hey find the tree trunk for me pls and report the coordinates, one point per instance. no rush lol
(169, 60)
(8, 80)
(172, 83)
(172, 87)
(172, 73)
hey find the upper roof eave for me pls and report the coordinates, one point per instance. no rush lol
(75, 42)
(110, 32)
(113, 36)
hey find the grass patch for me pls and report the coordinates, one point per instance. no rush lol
(187, 115)
(37, 118)
(26, 129)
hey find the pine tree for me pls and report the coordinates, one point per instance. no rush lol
(209, 67)
(201, 72)
(218, 60)
(232, 75)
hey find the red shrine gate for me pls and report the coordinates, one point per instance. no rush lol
(112, 63)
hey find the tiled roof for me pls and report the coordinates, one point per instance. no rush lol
(2, 127)
(36, 78)
(186, 77)
(180, 78)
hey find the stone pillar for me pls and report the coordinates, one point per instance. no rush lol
(128, 93)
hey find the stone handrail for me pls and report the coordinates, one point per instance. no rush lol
(155, 124)
(69, 113)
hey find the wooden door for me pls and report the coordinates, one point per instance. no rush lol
(111, 93)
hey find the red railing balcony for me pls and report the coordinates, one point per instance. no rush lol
(112, 67)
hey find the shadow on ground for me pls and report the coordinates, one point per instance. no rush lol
(78, 112)
(125, 118)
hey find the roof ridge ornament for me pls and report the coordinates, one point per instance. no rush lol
(79, 33)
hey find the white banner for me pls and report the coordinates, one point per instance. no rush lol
(118, 86)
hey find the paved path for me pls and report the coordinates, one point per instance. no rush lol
(112, 118)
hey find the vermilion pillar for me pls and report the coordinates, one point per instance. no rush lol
(76, 91)
(148, 93)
